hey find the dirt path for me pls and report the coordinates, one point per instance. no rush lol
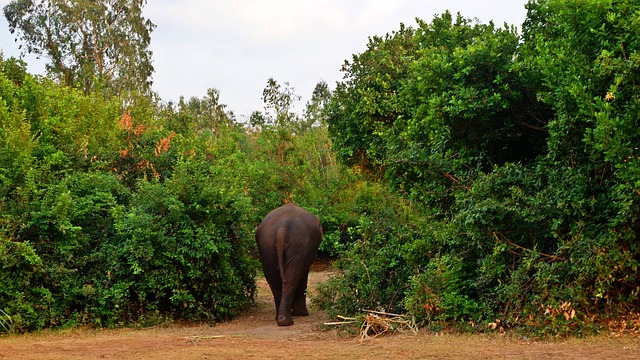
(256, 336)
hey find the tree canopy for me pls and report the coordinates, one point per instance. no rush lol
(91, 45)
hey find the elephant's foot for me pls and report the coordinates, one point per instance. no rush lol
(284, 321)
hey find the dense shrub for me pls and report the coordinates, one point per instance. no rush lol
(183, 247)
(521, 155)
(374, 269)
(109, 219)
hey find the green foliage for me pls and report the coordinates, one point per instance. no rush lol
(21, 267)
(314, 110)
(438, 295)
(184, 243)
(14, 69)
(108, 218)
(365, 103)
(92, 45)
(492, 177)
(373, 270)
(278, 106)
(521, 155)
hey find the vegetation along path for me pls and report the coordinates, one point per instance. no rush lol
(255, 335)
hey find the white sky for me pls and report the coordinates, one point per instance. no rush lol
(236, 45)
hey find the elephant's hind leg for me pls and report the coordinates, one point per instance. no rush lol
(300, 298)
(275, 284)
(283, 317)
(293, 301)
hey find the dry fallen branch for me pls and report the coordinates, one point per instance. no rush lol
(345, 320)
(195, 339)
(332, 323)
(503, 239)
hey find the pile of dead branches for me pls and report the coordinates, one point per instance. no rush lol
(377, 323)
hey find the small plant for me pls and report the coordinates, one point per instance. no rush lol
(438, 294)
(5, 320)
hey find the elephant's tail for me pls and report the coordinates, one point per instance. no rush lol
(281, 245)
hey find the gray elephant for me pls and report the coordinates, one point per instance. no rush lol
(288, 240)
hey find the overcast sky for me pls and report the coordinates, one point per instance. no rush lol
(235, 46)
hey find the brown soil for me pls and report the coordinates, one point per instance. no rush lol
(256, 336)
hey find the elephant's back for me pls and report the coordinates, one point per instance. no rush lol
(291, 217)
(287, 213)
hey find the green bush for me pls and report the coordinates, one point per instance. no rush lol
(373, 270)
(184, 247)
(438, 296)
(521, 155)
(110, 219)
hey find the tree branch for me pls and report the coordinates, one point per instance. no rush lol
(503, 239)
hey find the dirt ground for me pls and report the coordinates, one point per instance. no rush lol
(256, 336)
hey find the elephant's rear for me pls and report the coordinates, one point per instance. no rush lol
(297, 222)
(288, 240)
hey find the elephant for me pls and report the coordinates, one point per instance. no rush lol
(288, 239)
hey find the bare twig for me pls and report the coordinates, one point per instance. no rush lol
(504, 239)
(346, 320)
(195, 339)
(333, 323)
(383, 313)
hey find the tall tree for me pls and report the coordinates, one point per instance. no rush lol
(314, 111)
(206, 114)
(278, 105)
(90, 44)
